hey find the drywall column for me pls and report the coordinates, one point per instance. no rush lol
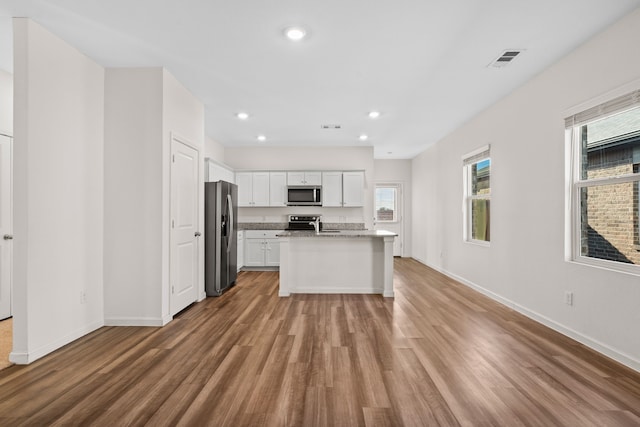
(58, 193)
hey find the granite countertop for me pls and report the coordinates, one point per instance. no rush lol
(262, 225)
(284, 225)
(338, 233)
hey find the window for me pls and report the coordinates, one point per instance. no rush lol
(477, 196)
(605, 211)
(386, 203)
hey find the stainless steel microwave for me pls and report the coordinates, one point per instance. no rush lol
(304, 195)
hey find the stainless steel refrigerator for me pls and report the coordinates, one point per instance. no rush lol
(220, 246)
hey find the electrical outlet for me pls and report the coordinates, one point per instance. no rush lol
(83, 297)
(568, 297)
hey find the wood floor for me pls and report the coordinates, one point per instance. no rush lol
(437, 354)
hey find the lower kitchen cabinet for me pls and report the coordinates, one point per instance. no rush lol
(262, 248)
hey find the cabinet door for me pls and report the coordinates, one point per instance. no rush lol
(261, 189)
(272, 257)
(278, 189)
(218, 172)
(240, 249)
(313, 178)
(245, 189)
(254, 252)
(332, 189)
(353, 189)
(295, 178)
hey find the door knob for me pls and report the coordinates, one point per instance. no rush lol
(197, 234)
(8, 237)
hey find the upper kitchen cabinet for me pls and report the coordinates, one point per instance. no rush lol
(352, 189)
(277, 189)
(217, 172)
(304, 178)
(332, 189)
(253, 189)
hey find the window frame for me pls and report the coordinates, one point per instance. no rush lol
(396, 216)
(576, 184)
(468, 160)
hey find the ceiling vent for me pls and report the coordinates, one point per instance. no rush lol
(330, 127)
(506, 58)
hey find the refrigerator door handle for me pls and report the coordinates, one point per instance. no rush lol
(231, 230)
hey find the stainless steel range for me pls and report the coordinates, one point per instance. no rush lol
(303, 222)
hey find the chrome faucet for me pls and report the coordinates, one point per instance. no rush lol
(316, 224)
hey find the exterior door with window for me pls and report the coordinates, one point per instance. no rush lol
(388, 212)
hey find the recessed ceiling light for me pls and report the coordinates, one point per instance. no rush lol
(262, 138)
(363, 137)
(242, 115)
(295, 33)
(374, 114)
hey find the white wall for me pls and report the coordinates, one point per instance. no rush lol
(6, 103)
(398, 171)
(58, 187)
(144, 107)
(525, 266)
(213, 150)
(133, 196)
(306, 158)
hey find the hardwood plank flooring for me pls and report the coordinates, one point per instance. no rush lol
(438, 354)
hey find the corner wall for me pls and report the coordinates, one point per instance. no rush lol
(133, 197)
(525, 266)
(58, 188)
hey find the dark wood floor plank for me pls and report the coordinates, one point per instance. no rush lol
(437, 354)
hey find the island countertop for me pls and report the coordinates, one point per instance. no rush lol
(338, 233)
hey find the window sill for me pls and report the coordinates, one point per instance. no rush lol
(479, 243)
(612, 266)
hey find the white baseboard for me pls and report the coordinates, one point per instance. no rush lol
(335, 290)
(137, 321)
(606, 350)
(24, 358)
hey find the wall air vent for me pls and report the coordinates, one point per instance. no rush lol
(330, 127)
(506, 58)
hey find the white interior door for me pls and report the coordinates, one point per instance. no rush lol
(6, 247)
(184, 226)
(387, 213)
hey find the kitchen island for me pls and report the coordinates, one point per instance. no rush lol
(336, 262)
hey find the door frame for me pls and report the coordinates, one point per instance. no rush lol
(400, 186)
(199, 291)
(8, 244)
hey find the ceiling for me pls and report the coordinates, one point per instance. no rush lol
(422, 63)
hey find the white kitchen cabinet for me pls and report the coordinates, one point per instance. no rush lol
(262, 248)
(218, 172)
(332, 189)
(304, 178)
(352, 189)
(253, 189)
(277, 189)
(240, 241)
(272, 253)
